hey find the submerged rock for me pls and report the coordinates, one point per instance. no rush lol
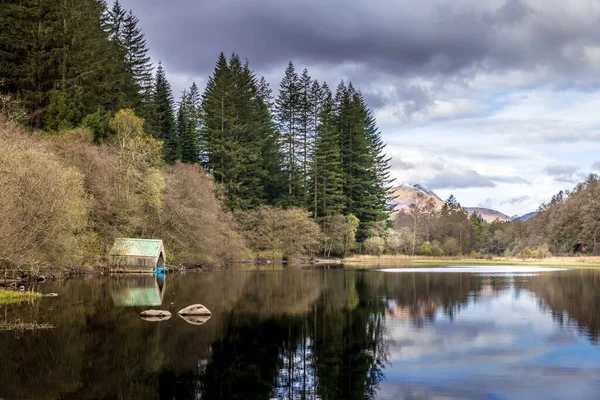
(155, 315)
(195, 319)
(195, 309)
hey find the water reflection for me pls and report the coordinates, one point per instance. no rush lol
(137, 290)
(313, 334)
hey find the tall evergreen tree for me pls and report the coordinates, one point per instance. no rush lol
(216, 115)
(163, 118)
(273, 176)
(288, 121)
(365, 166)
(326, 179)
(55, 50)
(137, 63)
(305, 134)
(116, 19)
(188, 125)
(238, 141)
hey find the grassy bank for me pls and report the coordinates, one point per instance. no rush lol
(403, 260)
(11, 296)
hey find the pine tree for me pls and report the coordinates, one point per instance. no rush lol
(326, 174)
(273, 176)
(55, 50)
(288, 121)
(163, 118)
(365, 166)
(216, 120)
(188, 125)
(238, 141)
(305, 134)
(116, 19)
(137, 63)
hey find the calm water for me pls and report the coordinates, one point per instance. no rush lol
(312, 334)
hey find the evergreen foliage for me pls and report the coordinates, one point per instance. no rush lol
(188, 125)
(163, 117)
(289, 124)
(327, 174)
(238, 140)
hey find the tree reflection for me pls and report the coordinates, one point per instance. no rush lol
(290, 334)
(572, 298)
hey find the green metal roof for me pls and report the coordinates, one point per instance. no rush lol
(136, 247)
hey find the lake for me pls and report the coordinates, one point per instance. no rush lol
(277, 333)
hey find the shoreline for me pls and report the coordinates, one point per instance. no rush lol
(564, 262)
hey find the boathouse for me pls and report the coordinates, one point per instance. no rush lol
(137, 255)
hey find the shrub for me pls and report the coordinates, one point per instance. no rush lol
(374, 245)
(11, 109)
(339, 234)
(45, 210)
(436, 249)
(192, 222)
(288, 232)
(451, 246)
(425, 249)
(396, 241)
(475, 255)
(98, 125)
(525, 253)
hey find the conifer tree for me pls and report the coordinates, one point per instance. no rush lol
(238, 142)
(305, 134)
(273, 177)
(137, 63)
(163, 118)
(188, 125)
(365, 166)
(55, 50)
(288, 121)
(216, 116)
(326, 174)
(116, 19)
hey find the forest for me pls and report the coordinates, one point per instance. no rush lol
(94, 129)
(94, 145)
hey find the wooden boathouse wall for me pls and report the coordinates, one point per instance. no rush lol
(136, 255)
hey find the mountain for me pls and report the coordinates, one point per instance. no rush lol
(488, 215)
(526, 217)
(403, 195)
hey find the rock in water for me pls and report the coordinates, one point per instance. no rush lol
(195, 319)
(155, 315)
(195, 309)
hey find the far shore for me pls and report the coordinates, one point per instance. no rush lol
(391, 260)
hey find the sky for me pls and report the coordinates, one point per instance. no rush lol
(495, 101)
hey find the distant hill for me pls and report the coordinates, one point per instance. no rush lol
(488, 215)
(526, 217)
(403, 195)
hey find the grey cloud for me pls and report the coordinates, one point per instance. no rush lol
(376, 41)
(459, 180)
(596, 166)
(487, 203)
(404, 165)
(562, 172)
(417, 98)
(515, 200)
(512, 12)
(508, 179)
